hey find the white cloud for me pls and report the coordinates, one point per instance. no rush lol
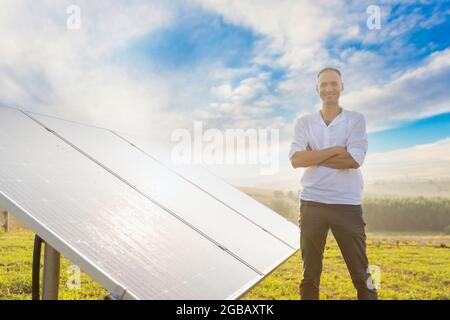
(430, 161)
(411, 94)
(223, 91)
(249, 88)
(238, 106)
(294, 28)
(48, 68)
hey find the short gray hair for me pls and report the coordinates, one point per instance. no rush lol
(329, 69)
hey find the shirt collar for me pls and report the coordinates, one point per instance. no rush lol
(340, 117)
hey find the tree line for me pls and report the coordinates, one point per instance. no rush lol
(383, 213)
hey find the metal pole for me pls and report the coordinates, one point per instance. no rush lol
(50, 283)
(6, 225)
(36, 269)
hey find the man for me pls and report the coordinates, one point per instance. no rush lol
(331, 144)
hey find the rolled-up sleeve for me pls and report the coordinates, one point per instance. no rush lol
(300, 141)
(358, 142)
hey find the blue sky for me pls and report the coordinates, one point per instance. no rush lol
(152, 67)
(205, 38)
(194, 40)
(423, 131)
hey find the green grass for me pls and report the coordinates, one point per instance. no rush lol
(417, 269)
(16, 250)
(408, 270)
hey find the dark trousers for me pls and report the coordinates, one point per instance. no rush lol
(347, 224)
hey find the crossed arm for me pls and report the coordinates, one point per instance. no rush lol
(335, 157)
(349, 157)
(342, 161)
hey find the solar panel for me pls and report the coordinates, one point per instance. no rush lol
(132, 246)
(258, 248)
(238, 201)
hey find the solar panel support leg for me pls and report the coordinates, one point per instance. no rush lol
(50, 283)
(6, 218)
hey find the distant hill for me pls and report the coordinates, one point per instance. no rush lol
(381, 213)
(426, 188)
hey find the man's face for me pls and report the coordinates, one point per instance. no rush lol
(329, 86)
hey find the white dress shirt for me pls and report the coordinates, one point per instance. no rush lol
(323, 184)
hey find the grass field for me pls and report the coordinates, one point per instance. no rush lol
(415, 266)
